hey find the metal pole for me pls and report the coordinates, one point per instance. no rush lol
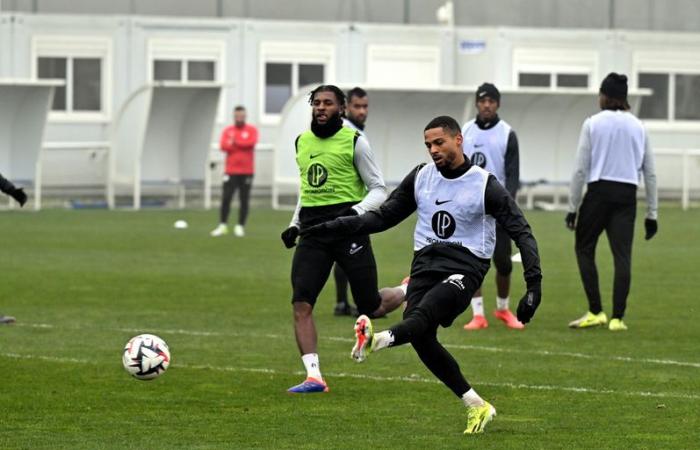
(685, 190)
(611, 14)
(406, 11)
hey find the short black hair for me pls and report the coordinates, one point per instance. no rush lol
(356, 92)
(239, 108)
(446, 123)
(339, 95)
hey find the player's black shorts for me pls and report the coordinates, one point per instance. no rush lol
(443, 296)
(314, 257)
(502, 252)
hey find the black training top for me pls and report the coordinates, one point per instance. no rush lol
(449, 258)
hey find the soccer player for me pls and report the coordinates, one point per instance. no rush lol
(18, 194)
(238, 142)
(458, 205)
(613, 149)
(338, 178)
(355, 118)
(490, 143)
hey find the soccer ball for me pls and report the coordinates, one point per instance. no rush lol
(146, 356)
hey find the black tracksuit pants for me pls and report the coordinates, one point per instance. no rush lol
(611, 207)
(242, 184)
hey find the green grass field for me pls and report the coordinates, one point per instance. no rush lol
(81, 283)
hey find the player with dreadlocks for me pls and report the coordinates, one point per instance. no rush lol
(338, 177)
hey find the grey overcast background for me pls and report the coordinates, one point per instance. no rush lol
(666, 15)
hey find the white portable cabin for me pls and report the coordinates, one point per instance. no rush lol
(162, 136)
(24, 110)
(546, 122)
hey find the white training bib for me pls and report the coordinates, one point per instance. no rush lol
(617, 147)
(487, 148)
(452, 211)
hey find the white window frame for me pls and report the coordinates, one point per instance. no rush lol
(422, 53)
(184, 50)
(294, 53)
(556, 61)
(71, 47)
(686, 62)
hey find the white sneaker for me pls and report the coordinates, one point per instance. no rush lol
(220, 230)
(239, 231)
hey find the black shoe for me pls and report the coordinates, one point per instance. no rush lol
(345, 309)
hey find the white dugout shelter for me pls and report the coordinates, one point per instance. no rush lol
(546, 122)
(24, 109)
(161, 136)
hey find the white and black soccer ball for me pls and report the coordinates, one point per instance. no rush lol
(146, 356)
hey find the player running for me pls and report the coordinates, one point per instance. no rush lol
(458, 205)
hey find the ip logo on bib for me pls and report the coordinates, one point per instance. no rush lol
(317, 175)
(444, 224)
(479, 159)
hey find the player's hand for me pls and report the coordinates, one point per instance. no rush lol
(289, 236)
(529, 303)
(570, 221)
(20, 196)
(651, 226)
(340, 226)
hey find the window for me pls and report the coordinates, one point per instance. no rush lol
(183, 70)
(83, 65)
(687, 97)
(534, 79)
(656, 105)
(553, 80)
(287, 67)
(571, 80)
(54, 69)
(555, 67)
(280, 84)
(674, 97)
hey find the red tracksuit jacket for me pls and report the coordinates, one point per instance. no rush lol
(239, 144)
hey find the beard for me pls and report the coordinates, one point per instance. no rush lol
(328, 129)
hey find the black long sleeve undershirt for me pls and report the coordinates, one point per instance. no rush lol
(6, 185)
(498, 202)
(512, 164)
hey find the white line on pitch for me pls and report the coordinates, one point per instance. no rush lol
(413, 379)
(628, 359)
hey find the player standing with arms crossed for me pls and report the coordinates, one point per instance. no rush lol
(238, 142)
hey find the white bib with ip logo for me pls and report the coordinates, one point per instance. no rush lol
(487, 148)
(452, 211)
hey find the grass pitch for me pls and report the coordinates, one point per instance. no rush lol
(81, 283)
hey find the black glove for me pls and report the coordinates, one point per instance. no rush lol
(570, 221)
(340, 226)
(289, 236)
(651, 226)
(19, 195)
(529, 303)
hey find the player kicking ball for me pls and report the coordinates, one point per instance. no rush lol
(458, 205)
